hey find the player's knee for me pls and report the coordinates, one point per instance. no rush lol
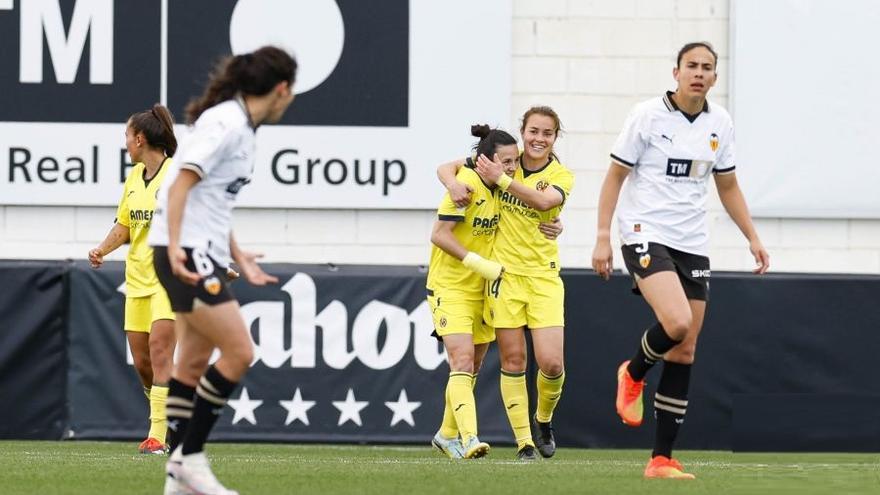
(463, 361)
(683, 353)
(677, 326)
(515, 363)
(552, 367)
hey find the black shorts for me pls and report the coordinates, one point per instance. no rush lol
(692, 269)
(211, 288)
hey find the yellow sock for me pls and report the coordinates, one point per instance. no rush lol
(158, 421)
(549, 391)
(516, 403)
(448, 427)
(460, 396)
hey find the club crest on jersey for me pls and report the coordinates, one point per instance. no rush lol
(645, 260)
(442, 322)
(212, 285)
(713, 142)
(637, 227)
(541, 185)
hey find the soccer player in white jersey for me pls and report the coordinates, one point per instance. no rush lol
(193, 241)
(669, 147)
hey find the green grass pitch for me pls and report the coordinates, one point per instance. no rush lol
(69, 468)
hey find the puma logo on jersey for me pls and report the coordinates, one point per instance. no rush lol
(664, 136)
(459, 407)
(478, 203)
(130, 193)
(512, 405)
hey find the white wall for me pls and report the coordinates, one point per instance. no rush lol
(591, 60)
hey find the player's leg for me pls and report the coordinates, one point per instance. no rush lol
(137, 331)
(194, 352)
(514, 394)
(546, 317)
(671, 400)
(460, 393)
(548, 343)
(223, 326)
(161, 351)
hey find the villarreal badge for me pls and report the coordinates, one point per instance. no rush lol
(713, 142)
(212, 285)
(645, 260)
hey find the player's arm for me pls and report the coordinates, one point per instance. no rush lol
(443, 237)
(247, 261)
(603, 259)
(177, 195)
(732, 198)
(493, 172)
(458, 191)
(117, 236)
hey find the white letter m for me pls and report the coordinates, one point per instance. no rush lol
(44, 16)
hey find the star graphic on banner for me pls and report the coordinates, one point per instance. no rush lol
(403, 409)
(244, 407)
(297, 408)
(350, 409)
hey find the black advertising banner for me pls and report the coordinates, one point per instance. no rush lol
(344, 354)
(32, 350)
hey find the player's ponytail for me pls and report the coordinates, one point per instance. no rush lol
(253, 73)
(157, 126)
(490, 139)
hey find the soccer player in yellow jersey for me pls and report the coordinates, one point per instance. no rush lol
(531, 293)
(149, 321)
(462, 241)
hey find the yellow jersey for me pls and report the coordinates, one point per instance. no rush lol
(520, 246)
(475, 230)
(135, 211)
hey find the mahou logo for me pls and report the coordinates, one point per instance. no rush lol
(279, 342)
(98, 60)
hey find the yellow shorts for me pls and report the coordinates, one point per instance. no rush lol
(455, 315)
(519, 300)
(141, 312)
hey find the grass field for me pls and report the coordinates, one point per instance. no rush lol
(49, 468)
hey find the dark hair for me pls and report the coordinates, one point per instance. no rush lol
(157, 125)
(490, 139)
(249, 73)
(541, 110)
(691, 46)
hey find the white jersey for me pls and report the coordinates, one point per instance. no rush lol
(671, 155)
(220, 149)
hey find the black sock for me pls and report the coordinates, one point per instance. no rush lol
(655, 343)
(211, 395)
(178, 410)
(670, 405)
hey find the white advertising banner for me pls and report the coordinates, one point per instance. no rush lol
(386, 91)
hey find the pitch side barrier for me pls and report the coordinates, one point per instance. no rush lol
(344, 354)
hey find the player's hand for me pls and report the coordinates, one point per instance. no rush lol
(489, 170)
(552, 229)
(762, 257)
(460, 193)
(603, 259)
(251, 271)
(177, 259)
(96, 258)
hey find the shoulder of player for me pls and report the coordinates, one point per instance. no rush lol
(719, 112)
